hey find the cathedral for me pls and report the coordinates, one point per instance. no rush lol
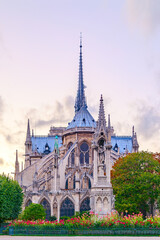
(68, 170)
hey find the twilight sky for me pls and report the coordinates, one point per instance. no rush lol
(39, 57)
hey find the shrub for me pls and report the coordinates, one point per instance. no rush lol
(34, 212)
(52, 218)
(64, 218)
(84, 214)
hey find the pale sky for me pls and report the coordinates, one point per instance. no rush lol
(39, 58)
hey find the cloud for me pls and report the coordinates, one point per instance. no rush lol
(59, 113)
(13, 137)
(148, 121)
(1, 161)
(143, 14)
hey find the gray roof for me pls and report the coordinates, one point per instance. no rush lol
(82, 119)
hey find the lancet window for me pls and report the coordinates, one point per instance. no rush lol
(84, 153)
(85, 205)
(67, 208)
(86, 183)
(70, 183)
(47, 208)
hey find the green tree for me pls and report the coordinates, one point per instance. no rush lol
(11, 198)
(34, 212)
(136, 182)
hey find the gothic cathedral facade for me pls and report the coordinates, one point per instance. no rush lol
(68, 170)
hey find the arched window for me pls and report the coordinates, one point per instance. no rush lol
(28, 202)
(47, 208)
(71, 156)
(66, 186)
(47, 149)
(85, 205)
(99, 204)
(74, 182)
(86, 183)
(70, 183)
(89, 183)
(67, 208)
(84, 153)
(101, 142)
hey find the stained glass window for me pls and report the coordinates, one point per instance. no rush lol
(67, 208)
(47, 208)
(84, 153)
(85, 205)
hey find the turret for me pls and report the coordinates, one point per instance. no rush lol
(28, 145)
(101, 166)
(135, 145)
(101, 117)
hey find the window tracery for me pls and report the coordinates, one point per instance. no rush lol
(67, 208)
(47, 208)
(86, 183)
(84, 153)
(85, 205)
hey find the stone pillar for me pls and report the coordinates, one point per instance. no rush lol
(55, 179)
(51, 209)
(107, 160)
(77, 180)
(95, 167)
(76, 157)
(58, 211)
(77, 203)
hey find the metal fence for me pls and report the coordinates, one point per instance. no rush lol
(3, 227)
(84, 232)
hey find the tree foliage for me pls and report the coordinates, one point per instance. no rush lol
(136, 182)
(34, 212)
(11, 198)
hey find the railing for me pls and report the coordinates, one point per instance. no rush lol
(50, 231)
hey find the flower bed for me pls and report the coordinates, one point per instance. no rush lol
(90, 225)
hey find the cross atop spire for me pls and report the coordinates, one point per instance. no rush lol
(80, 99)
(101, 116)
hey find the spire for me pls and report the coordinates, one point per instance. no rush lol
(28, 136)
(109, 121)
(80, 99)
(16, 156)
(101, 117)
(16, 166)
(135, 145)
